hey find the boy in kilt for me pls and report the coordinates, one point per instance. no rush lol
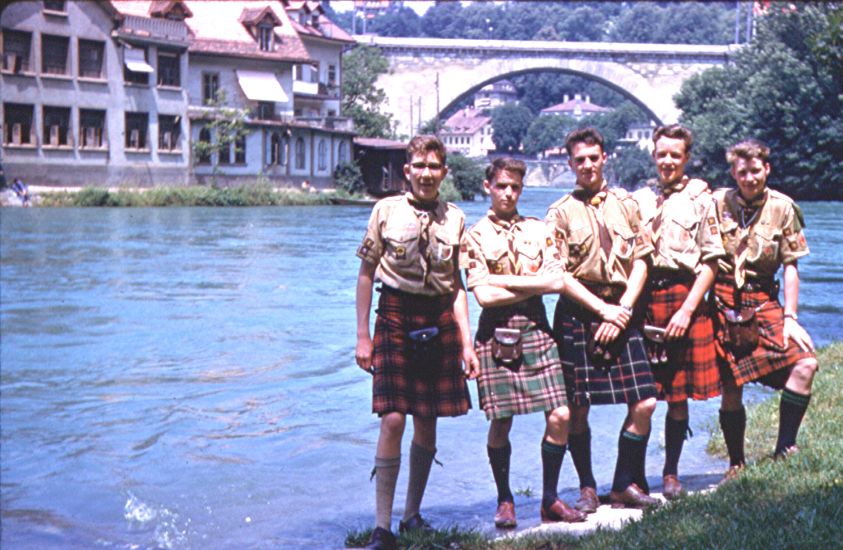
(603, 357)
(421, 332)
(762, 230)
(510, 261)
(681, 219)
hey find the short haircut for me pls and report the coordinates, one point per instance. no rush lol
(675, 131)
(425, 143)
(587, 135)
(748, 149)
(505, 163)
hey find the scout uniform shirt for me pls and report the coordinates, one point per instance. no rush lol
(682, 223)
(521, 246)
(598, 236)
(412, 246)
(759, 236)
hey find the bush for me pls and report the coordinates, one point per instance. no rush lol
(467, 175)
(347, 176)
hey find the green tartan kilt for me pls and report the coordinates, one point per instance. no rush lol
(538, 384)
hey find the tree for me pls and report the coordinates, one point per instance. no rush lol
(630, 168)
(467, 175)
(784, 89)
(613, 125)
(403, 21)
(547, 131)
(225, 124)
(361, 98)
(509, 126)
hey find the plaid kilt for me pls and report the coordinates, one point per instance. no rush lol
(770, 363)
(538, 384)
(691, 370)
(627, 380)
(397, 386)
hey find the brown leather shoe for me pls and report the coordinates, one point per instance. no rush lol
(672, 487)
(588, 501)
(559, 511)
(505, 515)
(382, 540)
(632, 497)
(785, 453)
(733, 472)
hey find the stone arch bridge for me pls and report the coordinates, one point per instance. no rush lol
(429, 76)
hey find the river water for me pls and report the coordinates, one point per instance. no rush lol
(185, 378)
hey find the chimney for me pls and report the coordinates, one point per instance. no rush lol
(566, 98)
(588, 99)
(577, 97)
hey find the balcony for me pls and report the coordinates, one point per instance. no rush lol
(328, 122)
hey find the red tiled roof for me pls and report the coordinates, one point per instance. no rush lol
(465, 121)
(327, 30)
(379, 143)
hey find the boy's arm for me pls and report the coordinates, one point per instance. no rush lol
(365, 282)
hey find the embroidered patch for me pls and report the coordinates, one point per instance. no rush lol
(472, 264)
(463, 248)
(794, 245)
(400, 252)
(549, 242)
(495, 267)
(802, 241)
(639, 240)
(574, 249)
(368, 243)
(712, 221)
(787, 232)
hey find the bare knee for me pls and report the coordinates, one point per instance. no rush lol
(392, 426)
(643, 409)
(424, 432)
(802, 375)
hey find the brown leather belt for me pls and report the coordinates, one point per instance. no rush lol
(660, 278)
(768, 286)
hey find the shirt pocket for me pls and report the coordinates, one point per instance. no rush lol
(442, 253)
(764, 248)
(623, 244)
(681, 234)
(579, 242)
(529, 256)
(401, 245)
(496, 260)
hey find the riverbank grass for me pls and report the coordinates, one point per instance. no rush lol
(251, 195)
(792, 503)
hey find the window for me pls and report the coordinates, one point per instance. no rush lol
(169, 70)
(210, 85)
(17, 129)
(300, 154)
(297, 72)
(135, 67)
(322, 154)
(56, 126)
(90, 58)
(55, 5)
(265, 33)
(54, 54)
(266, 110)
(169, 133)
(224, 154)
(276, 149)
(136, 128)
(204, 156)
(332, 75)
(314, 73)
(342, 152)
(91, 127)
(240, 150)
(16, 50)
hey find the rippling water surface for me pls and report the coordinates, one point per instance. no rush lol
(184, 377)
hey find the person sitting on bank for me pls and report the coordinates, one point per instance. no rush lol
(758, 338)
(597, 231)
(422, 329)
(510, 261)
(681, 217)
(21, 191)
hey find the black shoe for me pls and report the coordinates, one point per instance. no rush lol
(415, 523)
(382, 539)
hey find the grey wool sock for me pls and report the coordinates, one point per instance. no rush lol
(386, 474)
(420, 461)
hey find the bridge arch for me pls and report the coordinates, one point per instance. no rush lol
(427, 74)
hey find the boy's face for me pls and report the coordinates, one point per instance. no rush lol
(505, 190)
(587, 163)
(751, 176)
(425, 172)
(671, 158)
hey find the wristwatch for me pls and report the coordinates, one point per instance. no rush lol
(791, 316)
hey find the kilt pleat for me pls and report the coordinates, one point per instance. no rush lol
(771, 362)
(538, 384)
(691, 371)
(626, 380)
(397, 386)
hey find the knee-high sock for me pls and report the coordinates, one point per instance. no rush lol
(675, 432)
(499, 460)
(420, 462)
(386, 474)
(733, 424)
(580, 447)
(791, 411)
(552, 456)
(639, 475)
(629, 445)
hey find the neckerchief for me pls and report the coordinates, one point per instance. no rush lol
(586, 196)
(597, 200)
(425, 212)
(676, 187)
(509, 226)
(749, 211)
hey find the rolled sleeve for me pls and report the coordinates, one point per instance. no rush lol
(708, 238)
(371, 248)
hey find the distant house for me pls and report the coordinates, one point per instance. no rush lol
(640, 134)
(115, 93)
(468, 132)
(576, 107)
(502, 92)
(381, 162)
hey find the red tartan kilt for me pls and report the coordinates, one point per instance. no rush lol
(771, 362)
(691, 371)
(399, 387)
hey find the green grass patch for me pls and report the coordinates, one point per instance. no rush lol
(250, 195)
(793, 503)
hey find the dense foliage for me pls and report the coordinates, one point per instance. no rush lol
(466, 174)
(509, 126)
(348, 176)
(785, 89)
(361, 98)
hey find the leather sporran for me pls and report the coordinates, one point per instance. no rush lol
(603, 354)
(741, 331)
(507, 348)
(425, 352)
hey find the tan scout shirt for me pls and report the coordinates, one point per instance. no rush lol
(414, 250)
(683, 226)
(598, 243)
(759, 238)
(486, 250)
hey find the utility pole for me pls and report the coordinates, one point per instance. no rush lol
(437, 103)
(748, 23)
(737, 21)
(412, 133)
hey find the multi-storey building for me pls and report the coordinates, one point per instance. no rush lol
(116, 92)
(468, 132)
